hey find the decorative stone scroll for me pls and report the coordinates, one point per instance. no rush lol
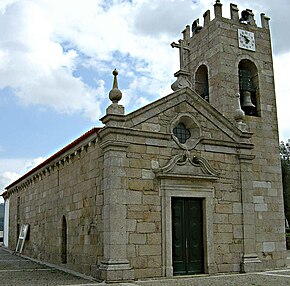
(186, 158)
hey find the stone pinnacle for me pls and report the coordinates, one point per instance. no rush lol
(115, 94)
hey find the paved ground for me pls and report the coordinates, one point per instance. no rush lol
(16, 271)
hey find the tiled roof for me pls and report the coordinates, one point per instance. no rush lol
(54, 156)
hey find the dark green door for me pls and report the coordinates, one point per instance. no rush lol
(187, 236)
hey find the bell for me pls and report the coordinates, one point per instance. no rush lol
(246, 101)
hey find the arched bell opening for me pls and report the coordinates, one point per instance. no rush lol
(249, 88)
(201, 82)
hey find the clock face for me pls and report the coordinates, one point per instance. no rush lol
(246, 40)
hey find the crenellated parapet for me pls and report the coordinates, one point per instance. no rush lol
(245, 17)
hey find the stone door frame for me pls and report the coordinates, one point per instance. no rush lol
(187, 188)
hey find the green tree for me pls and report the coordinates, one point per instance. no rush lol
(285, 164)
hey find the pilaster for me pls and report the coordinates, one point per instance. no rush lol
(115, 266)
(250, 261)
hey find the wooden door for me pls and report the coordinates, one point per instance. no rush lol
(187, 236)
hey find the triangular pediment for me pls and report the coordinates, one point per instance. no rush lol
(159, 115)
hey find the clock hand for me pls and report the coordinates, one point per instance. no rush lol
(246, 39)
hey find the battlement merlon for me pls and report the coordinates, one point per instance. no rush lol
(234, 12)
(218, 11)
(265, 21)
(246, 18)
(186, 33)
(206, 18)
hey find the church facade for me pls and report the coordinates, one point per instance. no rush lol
(188, 184)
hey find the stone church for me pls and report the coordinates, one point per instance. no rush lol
(188, 184)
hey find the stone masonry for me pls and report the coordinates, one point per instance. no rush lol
(103, 205)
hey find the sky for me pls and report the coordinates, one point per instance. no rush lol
(57, 57)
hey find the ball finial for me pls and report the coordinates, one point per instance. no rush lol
(115, 72)
(115, 94)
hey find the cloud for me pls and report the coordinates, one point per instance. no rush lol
(51, 40)
(36, 67)
(161, 17)
(18, 167)
(31, 163)
(5, 179)
(45, 42)
(278, 11)
(12, 169)
(283, 91)
(110, 39)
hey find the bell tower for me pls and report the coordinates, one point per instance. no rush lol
(226, 57)
(228, 62)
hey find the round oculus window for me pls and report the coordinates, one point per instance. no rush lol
(181, 132)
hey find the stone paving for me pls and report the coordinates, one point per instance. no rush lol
(16, 270)
(258, 279)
